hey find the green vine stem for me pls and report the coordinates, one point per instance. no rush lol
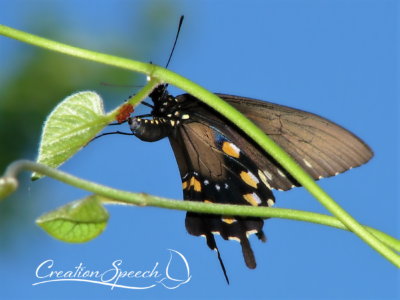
(113, 196)
(163, 75)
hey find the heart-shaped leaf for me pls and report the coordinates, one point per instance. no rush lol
(76, 222)
(71, 125)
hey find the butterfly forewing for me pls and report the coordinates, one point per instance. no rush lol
(321, 147)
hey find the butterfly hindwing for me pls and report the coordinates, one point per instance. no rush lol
(216, 170)
(268, 170)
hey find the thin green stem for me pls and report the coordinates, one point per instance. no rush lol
(253, 131)
(77, 52)
(116, 196)
(135, 100)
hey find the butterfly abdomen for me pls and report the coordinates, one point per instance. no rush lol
(151, 130)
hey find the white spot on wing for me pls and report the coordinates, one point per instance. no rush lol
(232, 238)
(226, 185)
(206, 182)
(255, 196)
(253, 177)
(250, 232)
(269, 176)
(263, 179)
(217, 187)
(185, 117)
(307, 163)
(281, 173)
(270, 202)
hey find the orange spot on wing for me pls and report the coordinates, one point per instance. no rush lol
(228, 219)
(249, 198)
(248, 179)
(230, 149)
(184, 185)
(195, 183)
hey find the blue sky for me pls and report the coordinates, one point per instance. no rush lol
(338, 59)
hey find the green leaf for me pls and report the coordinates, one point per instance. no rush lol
(71, 125)
(77, 222)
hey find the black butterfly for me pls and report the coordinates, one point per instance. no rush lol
(219, 163)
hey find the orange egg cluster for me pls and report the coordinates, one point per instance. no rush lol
(124, 112)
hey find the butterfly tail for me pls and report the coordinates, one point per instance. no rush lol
(248, 254)
(195, 225)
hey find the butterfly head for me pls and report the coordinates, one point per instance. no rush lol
(165, 105)
(166, 115)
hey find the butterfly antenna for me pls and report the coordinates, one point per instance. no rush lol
(108, 133)
(176, 39)
(147, 104)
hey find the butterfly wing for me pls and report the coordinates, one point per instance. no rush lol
(215, 167)
(321, 147)
(219, 163)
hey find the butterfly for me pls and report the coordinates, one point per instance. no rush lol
(219, 163)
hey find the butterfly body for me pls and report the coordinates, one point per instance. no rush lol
(219, 163)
